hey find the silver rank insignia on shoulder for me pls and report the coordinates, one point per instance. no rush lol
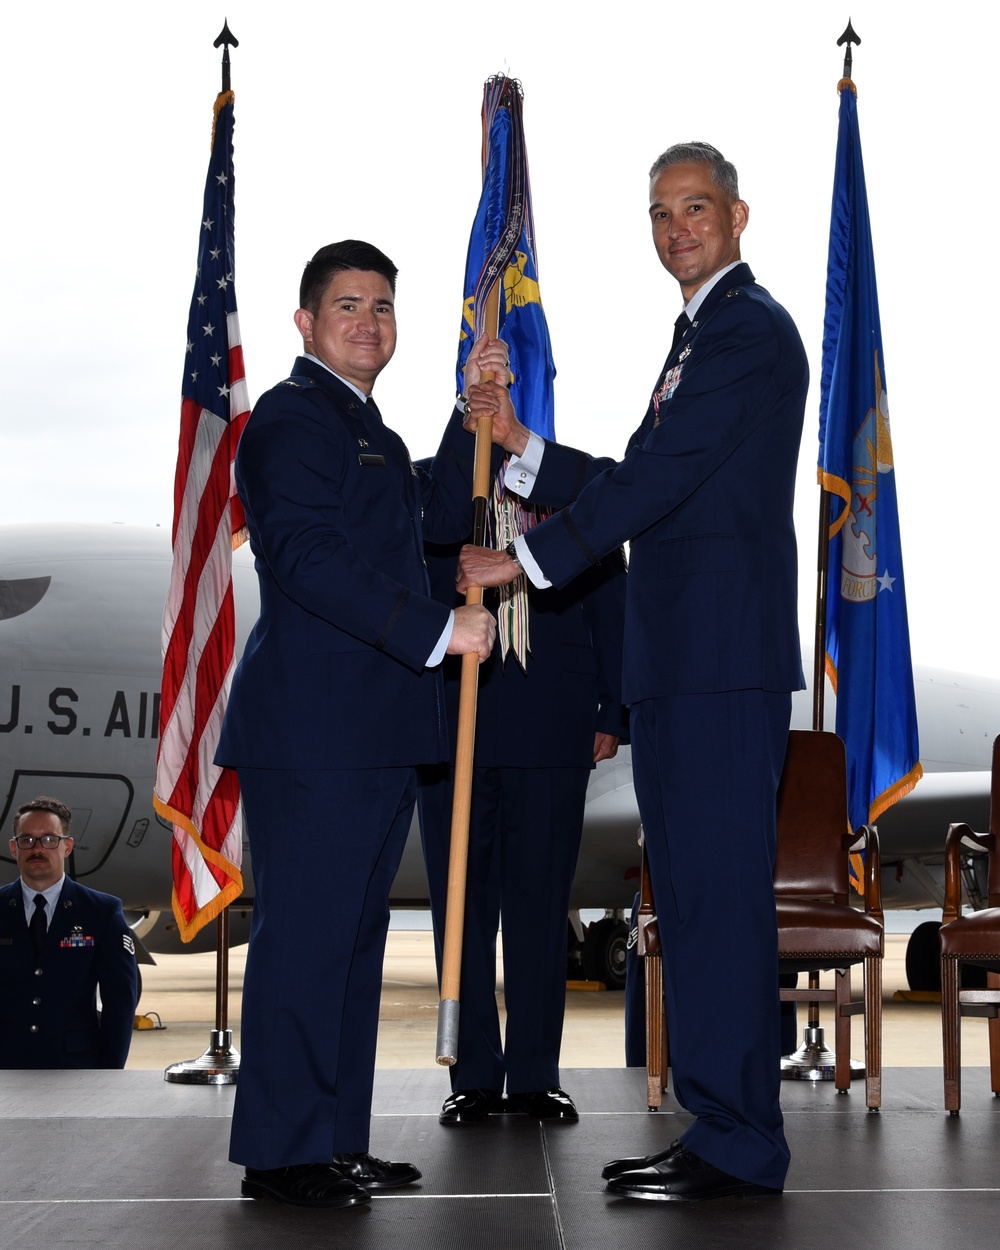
(128, 943)
(290, 382)
(733, 290)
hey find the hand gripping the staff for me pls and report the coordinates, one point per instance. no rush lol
(489, 399)
(475, 632)
(481, 566)
(489, 356)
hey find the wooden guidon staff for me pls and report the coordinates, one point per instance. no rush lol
(451, 962)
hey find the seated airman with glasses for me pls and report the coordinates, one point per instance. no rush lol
(60, 942)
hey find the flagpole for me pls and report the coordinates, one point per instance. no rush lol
(823, 556)
(814, 1060)
(465, 741)
(501, 232)
(226, 37)
(220, 1063)
(819, 637)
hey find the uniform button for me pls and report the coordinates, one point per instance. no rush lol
(38, 972)
(36, 1002)
(34, 1028)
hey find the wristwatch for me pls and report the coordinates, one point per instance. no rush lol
(510, 551)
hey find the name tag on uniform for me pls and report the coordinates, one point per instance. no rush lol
(366, 459)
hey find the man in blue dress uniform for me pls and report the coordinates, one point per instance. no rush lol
(61, 942)
(705, 495)
(540, 730)
(337, 698)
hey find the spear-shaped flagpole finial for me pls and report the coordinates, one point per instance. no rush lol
(226, 37)
(848, 37)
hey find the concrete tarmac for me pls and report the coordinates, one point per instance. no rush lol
(179, 992)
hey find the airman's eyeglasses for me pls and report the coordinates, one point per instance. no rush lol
(25, 841)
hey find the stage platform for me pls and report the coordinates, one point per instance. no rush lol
(121, 1160)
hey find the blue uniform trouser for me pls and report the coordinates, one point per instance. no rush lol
(706, 770)
(325, 847)
(524, 839)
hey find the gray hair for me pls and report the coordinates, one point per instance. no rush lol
(723, 172)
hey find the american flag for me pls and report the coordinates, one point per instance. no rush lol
(200, 799)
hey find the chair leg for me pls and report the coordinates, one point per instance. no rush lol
(655, 1074)
(993, 1024)
(842, 1030)
(873, 1032)
(951, 1035)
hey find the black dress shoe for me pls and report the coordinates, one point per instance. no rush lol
(469, 1106)
(544, 1104)
(372, 1173)
(617, 1166)
(683, 1177)
(304, 1185)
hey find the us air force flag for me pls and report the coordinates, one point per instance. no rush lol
(868, 644)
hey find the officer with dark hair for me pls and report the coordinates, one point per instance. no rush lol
(61, 942)
(337, 699)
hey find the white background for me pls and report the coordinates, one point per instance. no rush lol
(363, 120)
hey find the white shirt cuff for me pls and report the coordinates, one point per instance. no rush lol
(522, 470)
(530, 564)
(439, 652)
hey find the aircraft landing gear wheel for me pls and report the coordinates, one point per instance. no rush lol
(923, 962)
(923, 958)
(604, 950)
(574, 956)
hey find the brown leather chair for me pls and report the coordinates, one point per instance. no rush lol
(973, 940)
(649, 950)
(818, 929)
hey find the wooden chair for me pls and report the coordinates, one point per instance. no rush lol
(818, 929)
(649, 950)
(972, 940)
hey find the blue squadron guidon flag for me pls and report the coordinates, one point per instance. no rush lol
(502, 242)
(200, 799)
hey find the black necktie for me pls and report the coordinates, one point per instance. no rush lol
(39, 925)
(681, 326)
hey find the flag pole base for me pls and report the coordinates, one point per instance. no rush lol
(219, 1065)
(447, 1034)
(814, 1060)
